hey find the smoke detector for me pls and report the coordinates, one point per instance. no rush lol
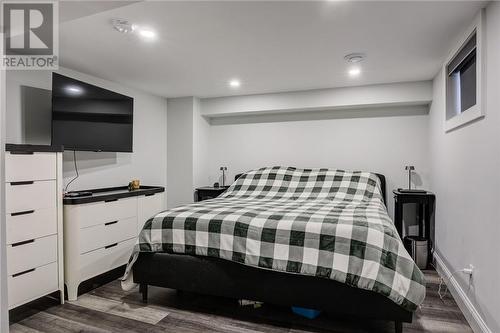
(354, 58)
(122, 25)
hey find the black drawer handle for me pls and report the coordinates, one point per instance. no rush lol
(111, 245)
(110, 200)
(22, 153)
(22, 273)
(22, 213)
(149, 194)
(110, 223)
(22, 183)
(23, 242)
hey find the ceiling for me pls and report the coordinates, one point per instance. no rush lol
(74, 9)
(269, 46)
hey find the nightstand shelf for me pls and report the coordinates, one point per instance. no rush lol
(425, 202)
(209, 192)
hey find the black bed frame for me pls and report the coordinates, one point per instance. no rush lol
(220, 277)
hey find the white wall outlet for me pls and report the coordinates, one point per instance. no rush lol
(468, 270)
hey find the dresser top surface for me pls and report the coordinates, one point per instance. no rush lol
(111, 194)
(27, 149)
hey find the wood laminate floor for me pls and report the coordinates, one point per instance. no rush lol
(109, 309)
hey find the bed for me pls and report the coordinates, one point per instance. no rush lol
(315, 238)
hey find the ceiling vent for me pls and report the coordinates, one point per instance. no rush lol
(122, 25)
(355, 57)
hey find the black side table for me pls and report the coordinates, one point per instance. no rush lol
(425, 202)
(209, 192)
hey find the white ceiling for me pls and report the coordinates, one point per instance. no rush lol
(269, 46)
(74, 9)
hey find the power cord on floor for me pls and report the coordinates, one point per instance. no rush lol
(76, 170)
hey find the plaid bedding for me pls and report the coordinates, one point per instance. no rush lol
(322, 222)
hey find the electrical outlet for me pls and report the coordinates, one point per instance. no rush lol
(468, 270)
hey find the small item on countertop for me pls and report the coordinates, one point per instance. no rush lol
(134, 185)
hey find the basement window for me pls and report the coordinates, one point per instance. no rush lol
(461, 80)
(463, 74)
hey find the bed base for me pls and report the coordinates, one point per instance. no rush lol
(143, 289)
(224, 278)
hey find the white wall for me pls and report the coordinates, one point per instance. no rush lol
(148, 162)
(201, 147)
(180, 151)
(188, 150)
(379, 144)
(465, 178)
(379, 128)
(204, 134)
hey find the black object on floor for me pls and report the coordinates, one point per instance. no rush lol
(426, 207)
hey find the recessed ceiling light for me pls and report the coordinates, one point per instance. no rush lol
(234, 83)
(126, 27)
(147, 33)
(73, 90)
(355, 57)
(354, 71)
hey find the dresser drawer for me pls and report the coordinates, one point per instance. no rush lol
(87, 215)
(147, 207)
(95, 237)
(105, 259)
(31, 224)
(32, 284)
(31, 254)
(30, 196)
(36, 166)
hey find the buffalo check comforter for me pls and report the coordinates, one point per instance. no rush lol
(326, 223)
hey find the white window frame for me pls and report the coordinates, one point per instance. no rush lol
(478, 110)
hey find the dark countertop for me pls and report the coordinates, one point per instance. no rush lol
(398, 192)
(28, 149)
(211, 188)
(112, 194)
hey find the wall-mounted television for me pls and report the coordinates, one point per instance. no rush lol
(89, 118)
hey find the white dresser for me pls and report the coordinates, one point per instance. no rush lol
(33, 205)
(100, 231)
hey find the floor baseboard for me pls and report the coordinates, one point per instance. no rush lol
(470, 312)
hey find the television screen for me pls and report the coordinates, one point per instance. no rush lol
(86, 117)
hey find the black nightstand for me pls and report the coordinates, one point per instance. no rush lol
(425, 202)
(209, 192)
